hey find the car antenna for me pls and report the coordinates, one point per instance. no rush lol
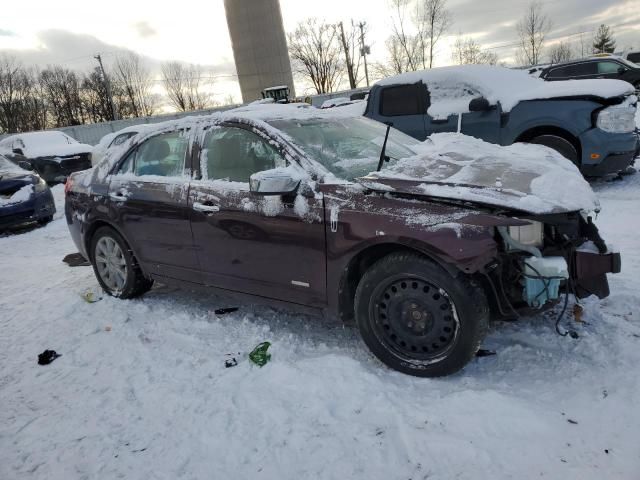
(383, 156)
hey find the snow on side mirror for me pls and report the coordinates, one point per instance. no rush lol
(273, 182)
(479, 104)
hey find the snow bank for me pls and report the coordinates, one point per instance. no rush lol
(149, 397)
(452, 88)
(526, 177)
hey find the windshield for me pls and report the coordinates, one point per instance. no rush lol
(347, 147)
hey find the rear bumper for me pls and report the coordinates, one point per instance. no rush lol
(589, 272)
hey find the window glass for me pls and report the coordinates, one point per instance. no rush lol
(581, 69)
(634, 57)
(120, 139)
(127, 165)
(608, 67)
(162, 155)
(558, 72)
(347, 147)
(234, 154)
(403, 100)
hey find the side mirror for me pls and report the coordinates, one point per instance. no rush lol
(273, 182)
(479, 104)
(621, 70)
(18, 151)
(25, 165)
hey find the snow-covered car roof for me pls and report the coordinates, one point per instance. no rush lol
(451, 88)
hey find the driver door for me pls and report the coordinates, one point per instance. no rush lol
(270, 246)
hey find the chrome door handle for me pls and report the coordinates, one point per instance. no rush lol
(201, 207)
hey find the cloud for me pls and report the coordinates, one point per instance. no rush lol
(144, 29)
(6, 33)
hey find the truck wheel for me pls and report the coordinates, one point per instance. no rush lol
(115, 266)
(562, 146)
(418, 319)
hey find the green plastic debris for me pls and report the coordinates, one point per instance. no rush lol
(91, 297)
(259, 355)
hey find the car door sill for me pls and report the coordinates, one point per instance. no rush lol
(241, 296)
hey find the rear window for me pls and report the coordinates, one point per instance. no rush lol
(608, 67)
(634, 57)
(403, 100)
(576, 70)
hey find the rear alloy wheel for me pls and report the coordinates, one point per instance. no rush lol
(417, 318)
(115, 266)
(561, 145)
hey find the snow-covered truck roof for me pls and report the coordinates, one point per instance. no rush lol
(452, 88)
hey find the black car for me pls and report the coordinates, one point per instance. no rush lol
(615, 68)
(53, 154)
(24, 197)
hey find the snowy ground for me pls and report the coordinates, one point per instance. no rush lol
(141, 391)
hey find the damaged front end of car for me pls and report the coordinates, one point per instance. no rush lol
(545, 257)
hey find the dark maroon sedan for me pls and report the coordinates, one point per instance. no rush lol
(419, 242)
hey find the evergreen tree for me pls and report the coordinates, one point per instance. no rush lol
(603, 41)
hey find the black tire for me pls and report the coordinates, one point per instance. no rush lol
(431, 326)
(561, 145)
(135, 283)
(44, 220)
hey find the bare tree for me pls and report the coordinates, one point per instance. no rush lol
(402, 46)
(468, 51)
(16, 91)
(186, 86)
(136, 81)
(61, 89)
(432, 19)
(560, 52)
(350, 42)
(95, 98)
(532, 30)
(315, 49)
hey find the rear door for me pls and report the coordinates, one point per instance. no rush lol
(148, 198)
(271, 246)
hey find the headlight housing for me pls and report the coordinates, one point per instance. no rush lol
(617, 119)
(40, 186)
(530, 235)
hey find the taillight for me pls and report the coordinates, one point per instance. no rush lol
(67, 185)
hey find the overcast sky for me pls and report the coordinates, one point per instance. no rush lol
(70, 32)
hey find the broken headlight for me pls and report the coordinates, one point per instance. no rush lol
(530, 235)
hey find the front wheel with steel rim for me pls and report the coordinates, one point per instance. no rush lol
(417, 318)
(115, 266)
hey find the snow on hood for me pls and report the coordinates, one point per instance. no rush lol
(452, 88)
(50, 143)
(524, 177)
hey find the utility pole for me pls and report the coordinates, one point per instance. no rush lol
(107, 86)
(347, 55)
(364, 51)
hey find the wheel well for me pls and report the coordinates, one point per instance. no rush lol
(551, 130)
(359, 264)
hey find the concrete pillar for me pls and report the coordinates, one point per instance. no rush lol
(259, 46)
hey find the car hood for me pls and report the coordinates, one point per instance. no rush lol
(522, 177)
(57, 151)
